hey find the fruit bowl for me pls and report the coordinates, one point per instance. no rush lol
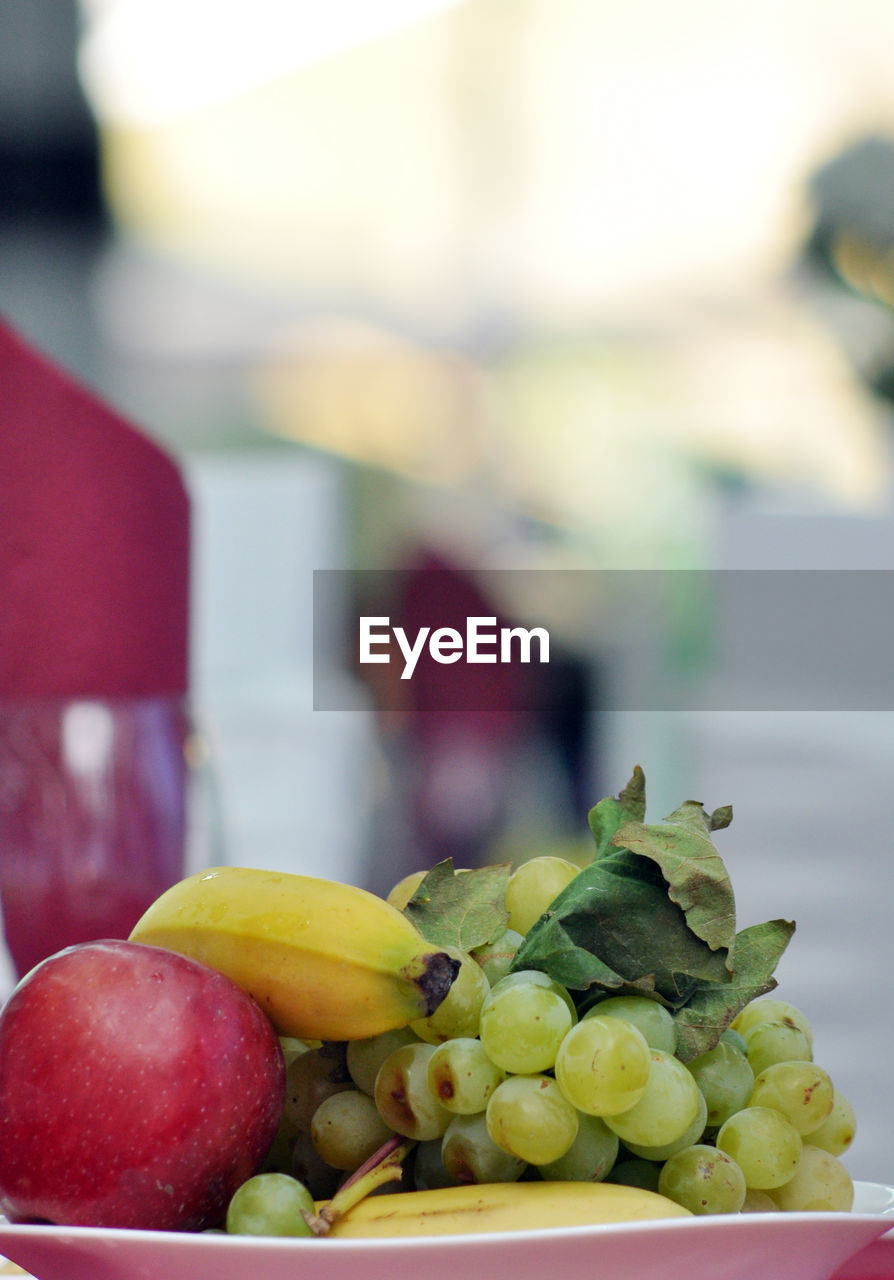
(803, 1246)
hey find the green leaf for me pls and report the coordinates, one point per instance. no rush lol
(615, 926)
(696, 877)
(721, 817)
(653, 913)
(610, 813)
(712, 1007)
(462, 909)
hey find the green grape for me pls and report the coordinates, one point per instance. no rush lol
(603, 1066)
(703, 1180)
(279, 1157)
(821, 1184)
(400, 894)
(772, 1010)
(648, 1016)
(726, 1079)
(310, 1078)
(496, 957)
(836, 1133)
(347, 1129)
(770, 1042)
(802, 1091)
(764, 1144)
(310, 1168)
(589, 1158)
(529, 1117)
(428, 1167)
(735, 1039)
(403, 1097)
(270, 1204)
(758, 1202)
(469, 1153)
(636, 1173)
(292, 1048)
(524, 1020)
(665, 1110)
(688, 1138)
(364, 1057)
(462, 1075)
(520, 977)
(458, 1012)
(533, 886)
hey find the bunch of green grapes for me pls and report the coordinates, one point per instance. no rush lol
(506, 1081)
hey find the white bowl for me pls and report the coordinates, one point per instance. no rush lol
(800, 1246)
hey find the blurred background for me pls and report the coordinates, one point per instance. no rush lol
(501, 284)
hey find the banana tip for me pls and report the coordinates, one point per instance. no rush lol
(436, 979)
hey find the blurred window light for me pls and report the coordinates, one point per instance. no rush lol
(493, 175)
(146, 61)
(551, 160)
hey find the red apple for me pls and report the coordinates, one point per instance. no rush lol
(138, 1088)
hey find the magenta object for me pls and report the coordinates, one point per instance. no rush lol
(94, 542)
(93, 817)
(94, 661)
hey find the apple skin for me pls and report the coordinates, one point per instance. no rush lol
(138, 1088)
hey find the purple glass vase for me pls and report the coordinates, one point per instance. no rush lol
(93, 817)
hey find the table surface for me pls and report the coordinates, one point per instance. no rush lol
(876, 1262)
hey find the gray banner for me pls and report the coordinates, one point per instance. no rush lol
(498, 640)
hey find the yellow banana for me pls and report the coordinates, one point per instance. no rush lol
(326, 961)
(503, 1206)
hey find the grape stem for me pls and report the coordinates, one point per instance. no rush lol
(383, 1166)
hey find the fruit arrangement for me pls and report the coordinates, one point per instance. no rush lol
(490, 1049)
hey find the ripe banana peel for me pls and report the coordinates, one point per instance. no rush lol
(504, 1206)
(324, 960)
